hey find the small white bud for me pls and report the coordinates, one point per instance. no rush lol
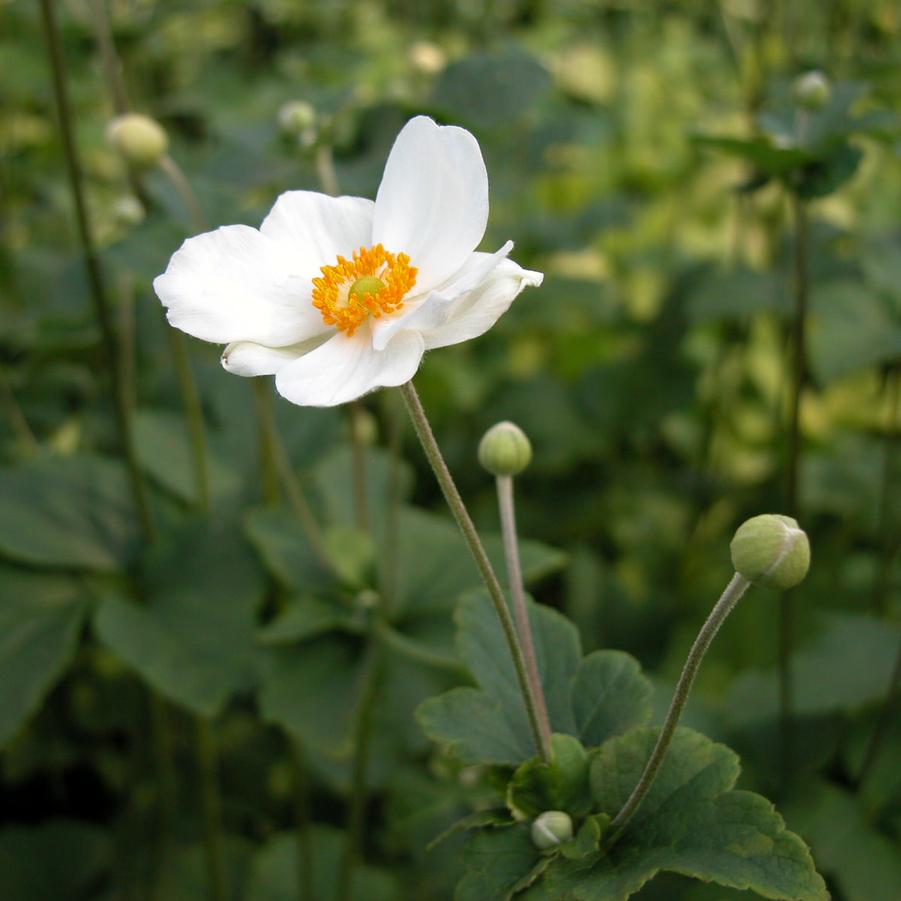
(140, 141)
(551, 828)
(771, 550)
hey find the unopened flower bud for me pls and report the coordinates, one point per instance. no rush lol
(427, 57)
(771, 550)
(551, 828)
(139, 140)
(296, 116)
(505, 450)
(812, 90)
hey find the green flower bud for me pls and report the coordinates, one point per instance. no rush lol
(139, 140)
(505, 450)
(771, 550)
(812, 90)
(296, 116)
(551, 828)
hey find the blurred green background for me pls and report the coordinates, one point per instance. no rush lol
(652, 372)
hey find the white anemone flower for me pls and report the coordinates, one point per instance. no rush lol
(338, 296)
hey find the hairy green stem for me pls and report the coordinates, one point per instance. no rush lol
(208, 759)
(102, 306)
(520, 610)
(477, 549)
(733, 593)
(356, 413)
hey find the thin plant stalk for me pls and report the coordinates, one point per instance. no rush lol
(471, 536)
(798, 375)
(208, 756)
(183, 188)
(302, 818)
(358, 449)
(733, 593)
(17, 421)
(520, 610)
(102, 306)
(888, 531)
(884, 720)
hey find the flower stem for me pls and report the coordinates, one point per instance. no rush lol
(888, 535)
(882, 723)
(520, 610)
(798, 374)
(361, 506)
(208, 760)
(733, 593)
(302, 817)
(360, 767)
(477, 549)
(183, 187)
(102, 307)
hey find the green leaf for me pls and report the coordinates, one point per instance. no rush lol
(54, 861)
(164, 451)
(847, 665)
(865, 864)
(496, 861)
(301, 619)
(492, 90)
(691, 822)
(273, 874)
(591, 698)
(74, 511)
(769, 158)
(560, 784)
(40, 619)
(192, 636)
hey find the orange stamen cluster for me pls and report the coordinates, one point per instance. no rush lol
(347, 309)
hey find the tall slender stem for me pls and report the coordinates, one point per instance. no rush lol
(882, 723)
(888, 531)
(477, 549)
(102, 307)
(520, 610)
(358, 449)
(798, 375)
(183, 187)
(733, 593)
(302, 818)
(359, 791)
(208, 758)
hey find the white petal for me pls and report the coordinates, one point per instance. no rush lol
(313, 229)
(475, 312)
(431, 311)
(433, 200)
(343, 369)
(234, 284)
(249, 359)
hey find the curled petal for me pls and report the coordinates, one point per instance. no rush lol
(433, 200)
(345, 368)
(249, 359)
(235, 284)
(473, 313)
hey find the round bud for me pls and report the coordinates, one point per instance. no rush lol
(505, 450)
(139, 140)
(296, 116)
(551, 828)
(127, 210)
(427, 57)
(812, 90)
(771, 550)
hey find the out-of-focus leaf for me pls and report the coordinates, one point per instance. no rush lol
(75, 511)
(40, 618)
(58, 859)
(192, 635)
(274, 873)
(864, 863)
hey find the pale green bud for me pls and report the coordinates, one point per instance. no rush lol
(139, 140)
(551, 828)
(771, 550)
(296, 116)
(505, 450)
(812, 90)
